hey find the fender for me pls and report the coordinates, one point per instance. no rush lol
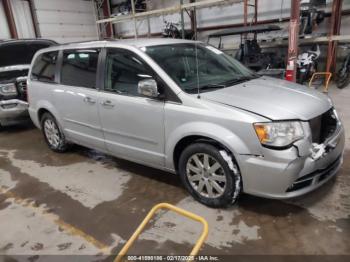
(44, 104)
(216, 132)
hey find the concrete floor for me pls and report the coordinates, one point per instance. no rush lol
(84, 202)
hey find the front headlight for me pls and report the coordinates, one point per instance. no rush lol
(8, 89)
(279, 134)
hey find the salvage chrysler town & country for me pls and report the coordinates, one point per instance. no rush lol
(187, 108)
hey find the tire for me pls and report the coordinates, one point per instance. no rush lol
(227, 176)
(53, 135)
(343, 80)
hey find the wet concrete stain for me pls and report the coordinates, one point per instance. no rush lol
(37, 246)
(63, 246)
(104, 219)
(3, 203)
(24, 243)
(6, 247)
(283, 227)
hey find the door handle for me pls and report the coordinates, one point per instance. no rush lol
(107, 103)
(89, 100)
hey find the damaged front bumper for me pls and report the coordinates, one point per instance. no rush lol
(293, 172)
(13, 111)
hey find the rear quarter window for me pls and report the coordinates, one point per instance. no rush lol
(44, 67)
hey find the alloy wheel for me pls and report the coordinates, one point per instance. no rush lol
(52, 133)
(206, 175)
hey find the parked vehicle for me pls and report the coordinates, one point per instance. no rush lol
(307, 64)
(187, 108)
(171, 30)
(343, 75)
(15, 59)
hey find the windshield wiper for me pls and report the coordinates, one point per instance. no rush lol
(212, 86)
(205, 87)
(239, 80)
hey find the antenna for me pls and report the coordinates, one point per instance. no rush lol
(197, 69)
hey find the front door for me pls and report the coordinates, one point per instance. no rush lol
(133, 125)
(76, 98)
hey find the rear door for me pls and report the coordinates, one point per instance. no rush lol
(76, 97)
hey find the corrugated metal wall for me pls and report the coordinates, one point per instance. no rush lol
(66, 20)
(63, 20)
(23, 19)
(4, 29)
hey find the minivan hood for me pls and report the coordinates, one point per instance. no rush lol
(273, 98)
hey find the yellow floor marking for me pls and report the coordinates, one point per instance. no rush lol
(70, 229)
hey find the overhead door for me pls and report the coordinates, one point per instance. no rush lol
(66, 20)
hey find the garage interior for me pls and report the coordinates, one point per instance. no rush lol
(87, 203)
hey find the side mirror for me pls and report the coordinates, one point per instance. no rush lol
(148, 87)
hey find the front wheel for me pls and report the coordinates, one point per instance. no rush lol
(210, 175)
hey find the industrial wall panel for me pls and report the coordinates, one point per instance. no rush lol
(23, 19)
(59, 17)
(64, 30)
(72, 39)
(64, 5)
(66, 20)
(4, 29)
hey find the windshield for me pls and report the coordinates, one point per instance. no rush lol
(19, 53)
(215, 68)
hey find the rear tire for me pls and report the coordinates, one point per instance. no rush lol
(53, 135)
(210, 175)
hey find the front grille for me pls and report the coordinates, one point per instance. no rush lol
(22, 90)
(323, 126)
(314, 177)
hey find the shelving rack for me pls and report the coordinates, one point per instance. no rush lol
(180, 8)
(106, 29)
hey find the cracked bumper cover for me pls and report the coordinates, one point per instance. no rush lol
(13, 111)
(274, 174)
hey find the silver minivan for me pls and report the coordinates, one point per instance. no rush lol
(187, 108)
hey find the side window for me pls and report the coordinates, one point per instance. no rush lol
(124, 70)
(44, 67)
(79, 68)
